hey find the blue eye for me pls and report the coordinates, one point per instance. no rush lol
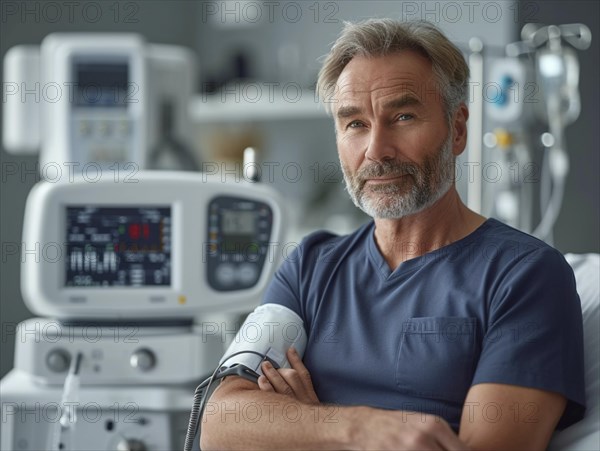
(405, 117)
(355, 124)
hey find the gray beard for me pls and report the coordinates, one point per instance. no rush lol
(420, 187)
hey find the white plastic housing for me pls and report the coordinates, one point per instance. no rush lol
(189, 295)
(61, 122)
(21, 100)
(107, 351)
(172, 75)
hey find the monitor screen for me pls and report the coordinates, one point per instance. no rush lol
(238, 222)
(101, 84)
(118, 246)
(239, 230)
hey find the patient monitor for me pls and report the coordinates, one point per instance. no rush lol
(102, 117)
(135, 280)
(163, 245)
(101, 99)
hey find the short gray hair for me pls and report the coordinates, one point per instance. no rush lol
(381, 37)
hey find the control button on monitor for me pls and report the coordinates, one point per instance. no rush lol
(131, 444)
(225, 274)
(142, 359)
(85, 128)
(124, 127)
(104, 128)
(58, 360)
(247, 273)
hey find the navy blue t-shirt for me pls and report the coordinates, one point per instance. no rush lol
(497, 306)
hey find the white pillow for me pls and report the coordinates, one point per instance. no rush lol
(585, 435)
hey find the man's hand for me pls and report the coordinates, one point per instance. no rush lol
(403, 430)
(342, 427)
(374, 428)
(294, 382)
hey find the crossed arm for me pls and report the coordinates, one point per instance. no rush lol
(284, 412)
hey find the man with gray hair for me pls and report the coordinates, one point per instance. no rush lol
(431, 327)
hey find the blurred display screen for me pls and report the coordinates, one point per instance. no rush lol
(123, 246)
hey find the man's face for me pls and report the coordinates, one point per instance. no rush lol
(395, 146)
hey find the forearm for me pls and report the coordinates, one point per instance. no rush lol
(251, 419)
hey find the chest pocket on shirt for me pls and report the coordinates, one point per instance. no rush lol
(437, 357)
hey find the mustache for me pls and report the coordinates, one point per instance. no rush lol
(386, 168)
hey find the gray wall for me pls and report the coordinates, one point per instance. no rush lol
(196, 24)
(309, 31)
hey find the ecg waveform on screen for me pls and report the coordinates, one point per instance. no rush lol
(124, 246)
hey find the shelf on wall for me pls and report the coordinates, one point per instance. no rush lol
(256, 102)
